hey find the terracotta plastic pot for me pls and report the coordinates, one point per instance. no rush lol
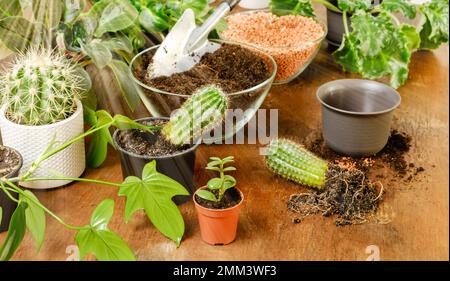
(218, 226)
(8, 205)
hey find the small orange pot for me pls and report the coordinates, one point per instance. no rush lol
(218, 226)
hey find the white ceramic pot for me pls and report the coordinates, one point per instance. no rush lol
(254, 4)
(31, 141)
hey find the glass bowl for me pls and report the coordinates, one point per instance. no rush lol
(242, 104)
(291, 60)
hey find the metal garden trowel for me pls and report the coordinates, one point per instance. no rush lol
(186, 43)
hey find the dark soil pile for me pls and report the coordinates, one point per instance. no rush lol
(231, 198)
(348, 194)
(144, 143)
(9, 161)
(233, 68)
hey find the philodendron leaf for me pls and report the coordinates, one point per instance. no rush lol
(434, 25)
(16, 33)
(292, 7)
(97, 239)
(117, 15)
(35, 218)
(405, 7)
(118, 43)
(98, 147)
(10, 8)
(207, 195)
(153, 193)
(128, 87)
(16, 232)
(98, 52)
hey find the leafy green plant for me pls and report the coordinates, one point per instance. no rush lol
(152, 193)
(378, 43)
(222, 183)
(41, 87)
(105, 35)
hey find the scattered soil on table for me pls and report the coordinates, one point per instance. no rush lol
(231, 198)
(291, 39)
(147, 144)
(231, 67)
(9, 161)
(348, 193)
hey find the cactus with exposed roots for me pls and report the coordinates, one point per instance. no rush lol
(201, 112)
(40, 87)
(292, 161)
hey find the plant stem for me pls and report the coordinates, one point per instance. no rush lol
(344, 18)
(6, 191)
(21, 192)
(328, 5)
(85, 63)
(75, 179)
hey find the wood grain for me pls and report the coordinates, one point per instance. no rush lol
(418, 212)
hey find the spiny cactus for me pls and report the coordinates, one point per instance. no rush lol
(290, 160)
(200, 112)
(40, 87)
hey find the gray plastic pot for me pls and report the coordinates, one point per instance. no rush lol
(8, 205)
(179, 166)
(357, 115)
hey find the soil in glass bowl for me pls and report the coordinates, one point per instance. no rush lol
(9, 161)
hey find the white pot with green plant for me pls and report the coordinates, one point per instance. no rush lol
(41, 107)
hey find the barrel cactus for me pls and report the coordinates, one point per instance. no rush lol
(200, 113)
(291, 161)
(40, 87)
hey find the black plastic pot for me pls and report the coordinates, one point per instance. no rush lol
(9, 206)
(179, 166)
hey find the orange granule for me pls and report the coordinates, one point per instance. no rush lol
(291, 40)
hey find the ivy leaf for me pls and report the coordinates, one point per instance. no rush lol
(351, 6)
(16, 33)
(35, 218)
(117, 15)
(98, 52)
(405, 7)
(128, 87)
(98, 147)
(292, 7)
(97, 239)
(207, 195)
(16, 232)
(154, 193)
(434, 25)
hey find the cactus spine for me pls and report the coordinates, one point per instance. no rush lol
(40, 88)
(290, 160)
(200, 113)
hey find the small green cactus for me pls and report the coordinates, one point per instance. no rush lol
(290, 160)
(201, 112)
(40, 88)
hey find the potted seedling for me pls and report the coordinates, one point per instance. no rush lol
(10, 164)
(373, 40)
(40, 97)
(174, 146)
(218, 204)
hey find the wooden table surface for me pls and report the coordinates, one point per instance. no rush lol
(418, 213)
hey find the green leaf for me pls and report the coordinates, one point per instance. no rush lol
(118, 43)
(128, 87)
(154, 193)
(214, 163)
(351, 6)
(434, 24)
(73, 9)
(48, 12)
(229, 182)
(292, 7)
(10, 8)
(98, 147)
(16, 33)
(124, 123)
(347, 55)
(410, 33)
(229, 169)
(98, 52)
(369, 33)
(35, 218)
(211, 168)
(118, 15)
(97, 239)
(152, 21)
(16, 232)
(215, 183)
(207, 195)
(403, 6)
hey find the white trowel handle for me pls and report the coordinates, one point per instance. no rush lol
(201, 33)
